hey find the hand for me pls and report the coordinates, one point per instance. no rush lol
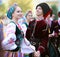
(37, 54)
(50, 35)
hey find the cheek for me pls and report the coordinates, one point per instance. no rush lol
(20, 14)
(41, 11)
(27, 17)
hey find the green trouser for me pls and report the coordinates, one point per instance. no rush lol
(26, 55)
(52, 50)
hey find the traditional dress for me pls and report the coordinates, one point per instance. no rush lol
(40, 36)
(12, 31)
(26, 48)
(53, 47)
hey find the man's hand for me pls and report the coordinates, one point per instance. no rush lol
(37, 54)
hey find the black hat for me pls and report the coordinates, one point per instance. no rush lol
(46, 9)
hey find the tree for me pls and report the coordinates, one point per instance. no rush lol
(2, 9)
(24, 4)
(54, 8)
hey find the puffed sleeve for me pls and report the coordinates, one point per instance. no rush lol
(10, 32)
(9, 42)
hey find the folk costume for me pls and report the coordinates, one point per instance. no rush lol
(53, 47)
(14, 36)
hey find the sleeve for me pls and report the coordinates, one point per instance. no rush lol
(10, 32)
(28, 32)
(43, 45)
(24, 28)
(56, 28)
(41, 49)
(9, 42)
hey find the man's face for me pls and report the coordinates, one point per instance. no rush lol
(39, 11)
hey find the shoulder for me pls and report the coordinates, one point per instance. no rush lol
(41, 22)
(55, 22)
(32, 22)
(11, 26)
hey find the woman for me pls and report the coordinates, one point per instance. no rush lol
(29, 17)
(13, 31)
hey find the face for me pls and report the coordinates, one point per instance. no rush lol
(39, 11)
(17, 13)
(29, 16)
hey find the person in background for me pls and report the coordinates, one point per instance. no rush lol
(53, 36)
(22, 20)
(2, 52)
(59, 33)
(29, 17)
(5, 21)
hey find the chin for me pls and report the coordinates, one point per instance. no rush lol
(38, 14)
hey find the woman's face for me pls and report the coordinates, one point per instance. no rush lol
(17, 13)
(29, 16)
(39, 11)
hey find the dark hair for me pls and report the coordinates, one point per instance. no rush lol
(46, 9)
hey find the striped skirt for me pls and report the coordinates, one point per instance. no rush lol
(15, 54)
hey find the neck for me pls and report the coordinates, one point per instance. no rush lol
(40, 17)
(15, 20)
(27, 21)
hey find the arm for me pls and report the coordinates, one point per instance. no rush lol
(9, 42)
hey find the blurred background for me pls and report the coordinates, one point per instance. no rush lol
(28, 4)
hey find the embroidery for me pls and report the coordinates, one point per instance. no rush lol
(56, 26)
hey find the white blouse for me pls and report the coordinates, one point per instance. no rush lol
(9, 42)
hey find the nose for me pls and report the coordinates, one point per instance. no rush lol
(37, 10)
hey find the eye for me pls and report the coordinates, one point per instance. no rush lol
(18, 11)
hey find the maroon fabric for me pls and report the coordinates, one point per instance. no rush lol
(56, 26)
(41, 49)
(41, 33)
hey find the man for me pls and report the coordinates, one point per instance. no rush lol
(39, 30)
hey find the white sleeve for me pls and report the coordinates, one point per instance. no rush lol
(24, 28)
(59, 21)
(6, 43)
(11, 28)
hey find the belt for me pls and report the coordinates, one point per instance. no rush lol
(35, 43)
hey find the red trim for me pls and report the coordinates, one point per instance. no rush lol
(47, 13)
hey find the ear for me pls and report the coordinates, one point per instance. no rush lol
(12, 14)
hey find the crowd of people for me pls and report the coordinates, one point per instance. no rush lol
(28, 36)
